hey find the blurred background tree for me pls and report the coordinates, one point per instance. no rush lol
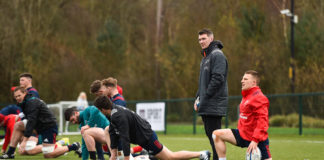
(66, 44)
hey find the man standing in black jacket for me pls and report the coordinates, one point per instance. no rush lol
(41, 119)
(128, 127)
(212, 95)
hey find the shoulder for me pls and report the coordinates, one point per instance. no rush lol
(217, 53)
(259, 97)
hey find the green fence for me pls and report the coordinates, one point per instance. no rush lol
(291, 106)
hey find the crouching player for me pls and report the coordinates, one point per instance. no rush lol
(128, 127)
(41, 119)
(92, 124)
(253, 122)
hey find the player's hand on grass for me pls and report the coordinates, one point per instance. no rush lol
(126, 157)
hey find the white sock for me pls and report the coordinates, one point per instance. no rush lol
(224, 158)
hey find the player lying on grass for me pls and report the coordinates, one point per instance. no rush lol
(92, 124)
(128, 127)
(253, 121)
(41, 119)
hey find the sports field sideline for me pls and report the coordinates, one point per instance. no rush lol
(282, 147)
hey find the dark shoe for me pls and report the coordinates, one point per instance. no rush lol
(204, 155)
(7, 156)
(78, 151)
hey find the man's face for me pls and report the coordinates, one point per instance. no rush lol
(19, 96)
(204, 41)
(24, 82)
(75, 118)
(105, 112)
(99, 92)
(248, 81)
(104, 90)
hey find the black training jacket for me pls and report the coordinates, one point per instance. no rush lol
(128, 127)
(212, 88)
(39, 116)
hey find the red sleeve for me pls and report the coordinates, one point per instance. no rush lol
(261, 104)
(10, 127)
(7, 139)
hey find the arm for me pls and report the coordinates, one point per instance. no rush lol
(218, 72)
(113, 137)
(122, 126)
(261, 110)
(7, 139)
(113, 154)
(32, 114)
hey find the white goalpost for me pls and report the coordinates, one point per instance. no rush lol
(64, 126)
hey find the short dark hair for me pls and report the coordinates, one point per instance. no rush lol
(69, 112)
(255, 74)
(103, 102)
(206, 31)
(22, 89)
(109, 82)
(28, 75)
(95, 86)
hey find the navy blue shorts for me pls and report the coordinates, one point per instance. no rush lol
(153, 146)
(263, 145)
(49, 135)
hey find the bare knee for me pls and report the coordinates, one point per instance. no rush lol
(22, 152)
(86, 133)
(217, 134)
(19, 126)
(48, 155)
(107, 129)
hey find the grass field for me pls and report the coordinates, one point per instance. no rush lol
(285, 144)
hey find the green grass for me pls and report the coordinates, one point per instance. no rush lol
(188, 129)
(285, 143)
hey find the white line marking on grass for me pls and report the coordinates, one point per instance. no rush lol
(287, 141)
(294, 141)
(189, 139)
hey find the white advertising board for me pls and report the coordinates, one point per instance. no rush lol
(153, 113)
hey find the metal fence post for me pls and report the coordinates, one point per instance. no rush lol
(194, 121)
(300, 104)
(165, 117)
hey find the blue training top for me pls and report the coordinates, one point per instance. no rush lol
(118, 100)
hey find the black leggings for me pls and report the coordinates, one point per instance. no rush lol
(212, 123)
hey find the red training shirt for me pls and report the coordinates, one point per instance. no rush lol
(254, 117)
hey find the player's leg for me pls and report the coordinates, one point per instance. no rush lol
(163, 153)
(264, 148)
(50, 149)
(166, 154)
(16, 137)
(17, 133)
(212, 123)
(91, 136)
(107, 137)
(220, 137)
(31, 147)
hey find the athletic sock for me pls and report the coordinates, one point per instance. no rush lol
(224, 158)
(92, 155)
(72, 147)
(137, 149)
(11, 150)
